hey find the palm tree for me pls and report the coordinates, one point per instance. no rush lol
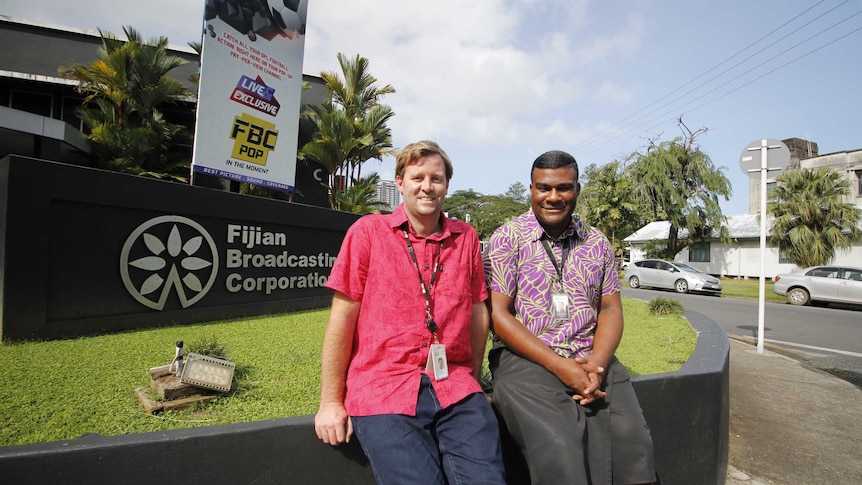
(352, 127)
(811, 218)
(361, 197)
(607, 201)
(124, 88)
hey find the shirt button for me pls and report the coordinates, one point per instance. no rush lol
(424, 344)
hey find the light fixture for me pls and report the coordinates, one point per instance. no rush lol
(208, 372)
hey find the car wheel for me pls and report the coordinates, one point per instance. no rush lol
(681, 286)
(798, 296)
(634, 282)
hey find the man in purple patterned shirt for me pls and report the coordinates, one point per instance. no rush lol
(557, 318)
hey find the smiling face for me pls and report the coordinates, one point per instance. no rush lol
(553, 195)
(424, 185)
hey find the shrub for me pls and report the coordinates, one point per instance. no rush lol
(208, 345)
(665, 306)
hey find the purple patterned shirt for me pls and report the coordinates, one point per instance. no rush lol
(518, 266)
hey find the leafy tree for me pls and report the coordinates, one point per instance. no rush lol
(811, 218)
(678, 182)
(607, 201)
(518, 193)
(351, 128)
(361, 197)
(125, 88)
(486, 212)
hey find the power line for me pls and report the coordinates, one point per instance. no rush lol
(624, 129)
(667, 111)
(587, 145)
(709, 70)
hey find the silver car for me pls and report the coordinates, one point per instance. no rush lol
(840, 284)
(667, 274)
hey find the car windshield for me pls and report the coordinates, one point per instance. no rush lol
(686, 267)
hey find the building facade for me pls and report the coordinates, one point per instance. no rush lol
(804, 155)
(37, 105)
(387, 192)
(743, 255)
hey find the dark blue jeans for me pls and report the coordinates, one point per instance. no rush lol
(457, 445)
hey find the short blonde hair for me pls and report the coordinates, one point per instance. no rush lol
(414, 151)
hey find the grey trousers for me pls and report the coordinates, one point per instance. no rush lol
(607, 442)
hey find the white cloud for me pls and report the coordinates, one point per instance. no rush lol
(466, 71)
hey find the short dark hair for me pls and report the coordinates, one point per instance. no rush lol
(555, 159)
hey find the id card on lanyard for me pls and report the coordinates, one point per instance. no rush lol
(560, 305)
(436, 363)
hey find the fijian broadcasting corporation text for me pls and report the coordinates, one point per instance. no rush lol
(248, 237)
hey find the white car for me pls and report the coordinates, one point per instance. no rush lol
(839, 284)
(681, 277)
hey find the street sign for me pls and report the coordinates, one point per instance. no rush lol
(758, 159)
(778, 157)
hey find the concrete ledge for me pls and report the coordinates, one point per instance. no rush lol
(687, 411)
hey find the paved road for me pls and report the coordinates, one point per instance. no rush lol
(830, 337)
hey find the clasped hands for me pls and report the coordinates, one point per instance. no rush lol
(584, 377)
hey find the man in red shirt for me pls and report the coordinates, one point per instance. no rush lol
(403, 349)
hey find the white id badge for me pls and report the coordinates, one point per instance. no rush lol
(437, 362)
(560, 306)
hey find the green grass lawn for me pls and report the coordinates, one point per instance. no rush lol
(749, 288)
(739, 288)
(64, 389)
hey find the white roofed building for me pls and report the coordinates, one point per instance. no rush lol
(739, 258)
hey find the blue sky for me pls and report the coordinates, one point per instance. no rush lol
(498, 82)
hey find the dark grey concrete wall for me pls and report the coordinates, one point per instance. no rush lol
(74, 243)
(687, 411)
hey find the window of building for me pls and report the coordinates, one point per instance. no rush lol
(859, 183)
(36, 103)
(68, 115)
(698, 252)
(782, 256)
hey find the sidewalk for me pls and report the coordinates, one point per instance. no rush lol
(789, 423)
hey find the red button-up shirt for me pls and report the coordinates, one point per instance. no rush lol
(391, 341)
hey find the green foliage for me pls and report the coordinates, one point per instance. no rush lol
(487, 212)
(679, 183)
(812, 220)
(125, 89)
(518, 193)
(207, 344)
(351, 128)
(666, 306)
(656, 249)
(607, 201)
(361, 197)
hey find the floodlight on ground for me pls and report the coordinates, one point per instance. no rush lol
(208, 372)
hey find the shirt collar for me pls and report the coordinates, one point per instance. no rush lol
(576, 229)
(398, 220)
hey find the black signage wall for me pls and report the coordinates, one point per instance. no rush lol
(87, 251)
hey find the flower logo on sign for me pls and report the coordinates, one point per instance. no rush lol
(165, 255)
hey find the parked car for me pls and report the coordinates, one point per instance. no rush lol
(840, 284)
(681, 277)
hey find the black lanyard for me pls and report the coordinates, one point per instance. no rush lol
(557, 267)
(426, 291)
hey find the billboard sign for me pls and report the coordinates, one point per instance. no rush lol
(249, 94)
